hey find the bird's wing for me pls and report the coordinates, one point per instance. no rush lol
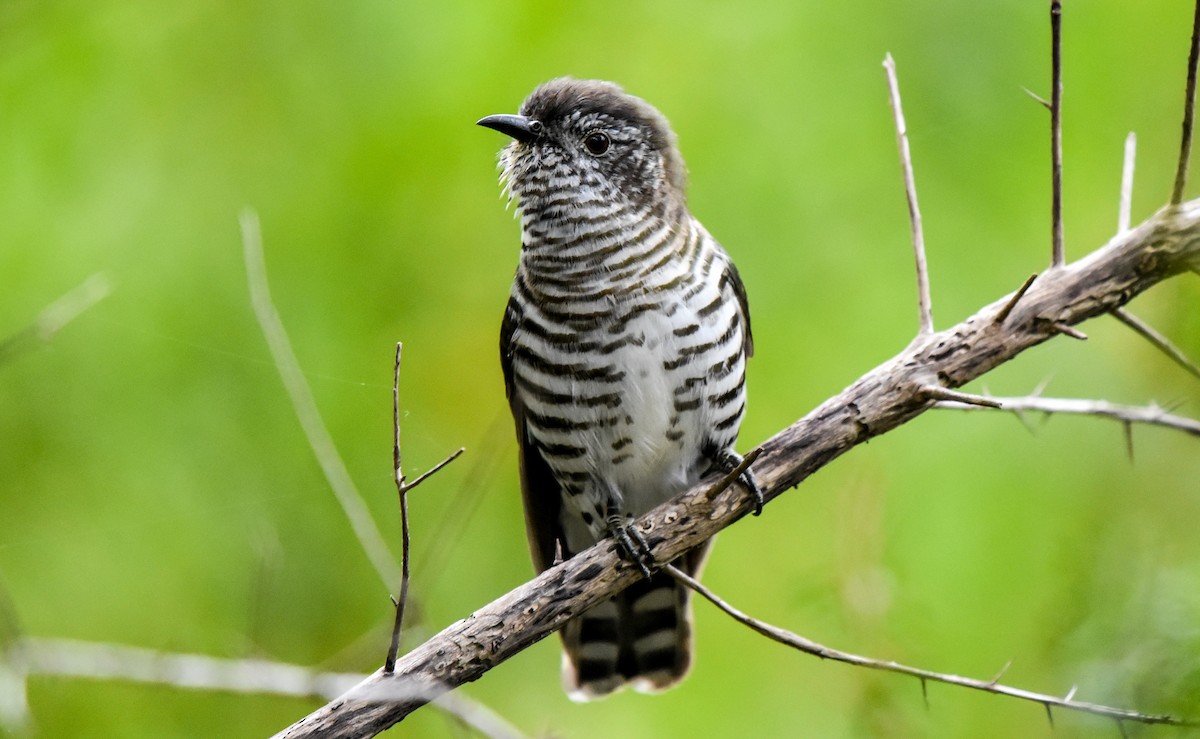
(734, 280)
(540, 490)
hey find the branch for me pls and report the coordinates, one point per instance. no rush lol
(1189, 111)
(914, 210)
(89, 660)
(58, 314)
(883, 399)
(1150, 415)
(1057, 257)
(306, 407)
(402, 488)
(791, 639)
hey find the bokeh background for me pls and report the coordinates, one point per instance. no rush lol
(156, 489)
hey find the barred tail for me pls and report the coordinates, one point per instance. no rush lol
(642, 637)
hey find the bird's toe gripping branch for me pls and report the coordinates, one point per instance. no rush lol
(630, 542)
(729, 461)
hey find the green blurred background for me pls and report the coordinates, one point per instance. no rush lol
(156, 489)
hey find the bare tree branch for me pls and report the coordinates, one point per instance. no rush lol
(94, 661)
(1189, 112)
(369, 537)
(1058, 257)
(881, 400)
(914, 210)
(58, 314)
(1128, 414)
(808, 646)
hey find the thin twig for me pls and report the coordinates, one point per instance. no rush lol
(389, 664)
(1058, 257)
(94, 661)
(1150, 415)
(403, 488)
(1189, 111)
(910, 190)
(58, 314)
(1159, 341)
(408, 486)
(1016, 298)
(808, 646)
(1125, 210)
(365, 530)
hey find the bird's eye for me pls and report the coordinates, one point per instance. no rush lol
(597, 142)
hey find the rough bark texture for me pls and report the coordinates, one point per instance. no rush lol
(884, 398)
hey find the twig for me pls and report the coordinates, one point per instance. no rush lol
(365, 530)
(1128, 414)
(1159, 341)
(808, 646)
(389, 664)
(58, 314)
(910, 189)
(1125, 210)
(93, 661)
(402, 488)
(1016, 298)
(1189, 111)
(1058, 257)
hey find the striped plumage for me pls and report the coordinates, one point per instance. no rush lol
(624, 347)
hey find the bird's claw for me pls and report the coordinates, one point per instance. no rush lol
(631, 544)
(727, 461)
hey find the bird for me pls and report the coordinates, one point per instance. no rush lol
(623, 348)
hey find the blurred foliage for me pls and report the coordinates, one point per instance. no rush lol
(155, 488)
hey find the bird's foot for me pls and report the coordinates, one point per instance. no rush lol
(727, 461)
(630, 542)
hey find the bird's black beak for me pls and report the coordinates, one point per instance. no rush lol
(520, 127)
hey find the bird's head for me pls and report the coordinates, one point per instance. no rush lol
(582, 142)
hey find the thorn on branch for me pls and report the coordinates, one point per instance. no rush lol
(1000, 674)
(1043, 101)
(1068, 330)
(1189, 110)
(1125, 209)
(937, 392)
(914, 211)
(1016, 298)
(1159, 341)
(1049, 715)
